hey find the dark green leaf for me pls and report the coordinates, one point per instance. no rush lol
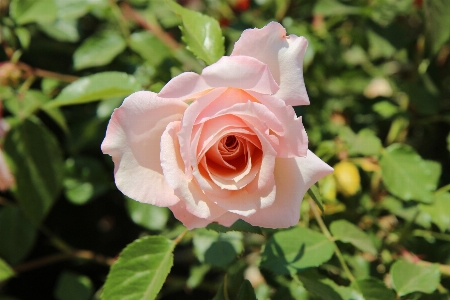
(407, 175)
(37, 166)
(17, 234)
(201, 33)
(73, 286)
(141, 269)
(6, 271)
(96, 87)
(374, 289)
(312, 283)
(296, 249)
(149, 216)
(217, 249)
(349, 233)
(315, 195)
(239, 225)
(220, 295)
(437, 23)
(246, 291)
(408, 277)
(85, 179)
(98, 50)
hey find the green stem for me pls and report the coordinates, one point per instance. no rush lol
(225, 290)
(180, 236)
(327, 233)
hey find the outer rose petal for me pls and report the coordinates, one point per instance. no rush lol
(241, 72)
(293, 177)
(283, 55)
(189, 220)
(133, 141)
(6, 178)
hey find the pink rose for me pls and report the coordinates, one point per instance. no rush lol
(238, 151)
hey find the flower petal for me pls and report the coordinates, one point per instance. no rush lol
(184, 216)
(195, 201)
(293, 177)
(284, 56)
(241, 72)
(133, 141)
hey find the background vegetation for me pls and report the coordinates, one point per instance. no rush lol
(378, 77)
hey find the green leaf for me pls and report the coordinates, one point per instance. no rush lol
(374, 289)
(334, 7)
(149, 47)
(408, 277)
(365, 143)
(239, 225)
(408, 211)
(73, 9)
(30, 102)
(96, 87)
(141, 269)
(72, 286)
(98, 50)
(220, 295)
(201, 33)
(6, 271)
(148, 216)
(61, 30)
(24, 36)
(246, 291)
(439, 211)
(348, 233)
(437, 23)
(407, 176)
(315, 195)
(296, 249)
(17, 234)
(28, 11)
(385, 109)
(217, 249)
(196, 275)
(37, 166)
(85, 179)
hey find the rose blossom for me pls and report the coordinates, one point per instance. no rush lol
(238, 151)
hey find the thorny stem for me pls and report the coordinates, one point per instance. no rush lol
(327, 233)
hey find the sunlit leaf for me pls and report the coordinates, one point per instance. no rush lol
(349, 233)
(295, 249)
(6, 271)
(95, 87)
(98, 50)
(201, 33)
(141, 269)
(407, 175)
(149, 216)
(408, 277)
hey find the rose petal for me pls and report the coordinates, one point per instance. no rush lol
(196, 202)
(293, 139)
(283, 55)
(238, 72)
(133, 141)
(293, 177)
(189, 220)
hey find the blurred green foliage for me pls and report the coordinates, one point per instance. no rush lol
(378, 76)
